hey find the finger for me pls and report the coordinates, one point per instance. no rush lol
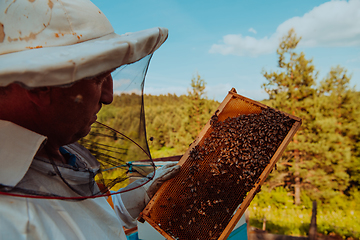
(170, 173)
(168, 165)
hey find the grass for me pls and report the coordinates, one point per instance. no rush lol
(165, 152)
(285, 221)
(295, 221)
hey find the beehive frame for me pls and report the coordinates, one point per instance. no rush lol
(159, 209)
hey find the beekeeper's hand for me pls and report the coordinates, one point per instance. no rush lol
(134, 201)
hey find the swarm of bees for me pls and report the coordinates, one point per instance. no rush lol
(220, 171)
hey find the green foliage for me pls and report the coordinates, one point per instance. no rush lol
(165, 151)
(339, 216)
(295, 220)
(296, 81)
(286, 221)
(196, 108)
(278, 197)
(173, 121)
(322, 159)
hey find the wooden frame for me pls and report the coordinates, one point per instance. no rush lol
(147, 213)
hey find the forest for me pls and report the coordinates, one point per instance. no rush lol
(321, 163)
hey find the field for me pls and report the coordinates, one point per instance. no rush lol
(282, 217)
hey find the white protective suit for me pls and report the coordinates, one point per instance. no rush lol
(56, 43)
(29, 218)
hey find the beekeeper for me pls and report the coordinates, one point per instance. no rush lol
(56, 59)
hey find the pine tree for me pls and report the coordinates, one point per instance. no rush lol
(293, 90)
(196, 105)
(321, 155)
(339, 103)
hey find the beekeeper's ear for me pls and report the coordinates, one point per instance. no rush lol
(40, 96)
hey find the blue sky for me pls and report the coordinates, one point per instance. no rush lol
(229, 43)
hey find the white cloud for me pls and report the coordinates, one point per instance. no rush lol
(332, 24)
(244, 46)
(252, 30)
(357, 59)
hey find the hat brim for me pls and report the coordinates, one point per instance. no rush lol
(53, 66)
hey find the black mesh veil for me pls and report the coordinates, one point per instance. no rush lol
(119, 137)
(103, 160)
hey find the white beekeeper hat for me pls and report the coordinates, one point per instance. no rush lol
(57, 42)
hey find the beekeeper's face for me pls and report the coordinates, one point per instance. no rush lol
(77, 106)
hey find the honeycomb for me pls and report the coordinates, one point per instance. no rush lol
(228, 161)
